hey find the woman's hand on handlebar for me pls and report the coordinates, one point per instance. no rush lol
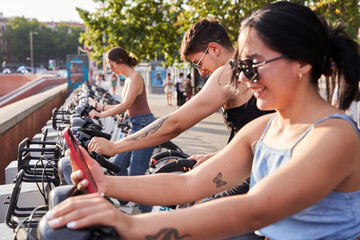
(95, 169)
(200, 158)
(102, 146)
(94, 114)
(88, 210)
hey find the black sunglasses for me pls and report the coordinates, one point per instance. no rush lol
(248, 67)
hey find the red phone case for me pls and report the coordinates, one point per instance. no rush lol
(79, 159)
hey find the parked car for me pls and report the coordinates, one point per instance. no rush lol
(23, 69)
(6, 71)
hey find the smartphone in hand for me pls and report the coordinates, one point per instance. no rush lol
(79, 159)
(92, 103)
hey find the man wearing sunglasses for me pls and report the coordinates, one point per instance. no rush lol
(207, 46)
(205, 53)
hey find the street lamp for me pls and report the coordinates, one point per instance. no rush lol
(31, 50)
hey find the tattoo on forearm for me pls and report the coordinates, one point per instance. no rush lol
(167, 234)
(152, 129)
(218, 180)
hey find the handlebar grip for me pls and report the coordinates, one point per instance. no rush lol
(110, 166)
(99, 133)
(186, 162)
(104, 163)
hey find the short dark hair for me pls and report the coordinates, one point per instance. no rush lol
(200, 34)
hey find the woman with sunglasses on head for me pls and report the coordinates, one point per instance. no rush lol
(303, 159)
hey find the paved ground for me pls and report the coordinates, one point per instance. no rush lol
(207, 136)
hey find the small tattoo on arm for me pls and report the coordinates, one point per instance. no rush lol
(167, 234)
(218, 180)
(152, 128)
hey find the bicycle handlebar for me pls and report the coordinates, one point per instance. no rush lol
(95, 133)
(186, 162)
(104, 163)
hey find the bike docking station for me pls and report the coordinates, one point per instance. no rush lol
(30, 179)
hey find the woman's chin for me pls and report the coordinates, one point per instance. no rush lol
(263, 106)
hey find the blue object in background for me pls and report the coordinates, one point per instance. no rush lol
(122, 77)
(157, 77)
(78, 70)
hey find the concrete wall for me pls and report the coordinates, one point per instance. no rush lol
(10, 82)
(39, 84)
(24, 119)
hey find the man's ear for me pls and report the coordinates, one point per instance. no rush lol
(214, 48)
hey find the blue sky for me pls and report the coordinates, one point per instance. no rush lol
(46, 10)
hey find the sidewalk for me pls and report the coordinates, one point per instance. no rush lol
(209, 135)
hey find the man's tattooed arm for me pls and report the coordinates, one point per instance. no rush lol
(167, 234)
(218, 180)
(152, 128)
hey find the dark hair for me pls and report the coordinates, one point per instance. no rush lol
(120, 55)
(296, 31)
(200, 34)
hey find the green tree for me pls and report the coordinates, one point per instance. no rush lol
(17, 37)
(150, 29)
(336, 12)
(147, 29)
(47, 44)
(43, 45)
(229, 13)
(66, 41)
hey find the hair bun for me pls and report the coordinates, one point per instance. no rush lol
(132, 61)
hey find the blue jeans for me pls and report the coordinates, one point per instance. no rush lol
(137, 161)
(65, 169)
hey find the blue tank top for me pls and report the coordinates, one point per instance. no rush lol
(337, 216)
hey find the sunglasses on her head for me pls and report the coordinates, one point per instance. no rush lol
(198, 64)
(248, 67)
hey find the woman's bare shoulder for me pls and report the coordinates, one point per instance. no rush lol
(136, 76)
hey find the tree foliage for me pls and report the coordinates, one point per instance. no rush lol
(47, 44)
(150, 29)
(147, 29)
